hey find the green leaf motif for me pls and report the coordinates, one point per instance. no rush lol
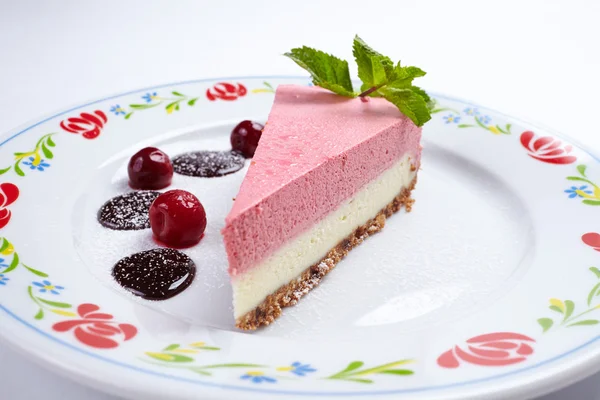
(50, 142)
(47, 153)
(55, 303)
(171, 347)
(555, 308)
(398, 372)
(4, 245)
(585, 322)
(353, 371)
(595, 270)
(466, 126)
(14, 263)
(178, 94)
(500, 129)
(143, 106)
(581, 169)
(360, 380)
(192, 101)
(576, 178)
(200, 371)
(380, 368)
(18, 169)
(170, 106)
(569, 307)
(35, 271)
(175, 358)
(39, 315)
(5, 170)
(545, 323)
(354, 365)
(128, 115)
(593, 292)
(591, 202)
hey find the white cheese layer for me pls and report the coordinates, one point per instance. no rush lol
(290, 260)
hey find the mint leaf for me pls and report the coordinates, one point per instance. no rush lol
(410, 103)
(430, 102)
(327, 71)
(403, 77)
(374, 69)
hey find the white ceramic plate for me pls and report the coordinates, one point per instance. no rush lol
(484, 290)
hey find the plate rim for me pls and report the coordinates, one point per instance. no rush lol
(547, 383)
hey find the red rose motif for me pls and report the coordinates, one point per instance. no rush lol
(592, 239)
(492, 349)
(96, 329)
(226, 91)
(89, 124)
(547, 149)
(8, 194)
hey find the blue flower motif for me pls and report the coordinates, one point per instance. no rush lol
(40, 166)
(486, 119)
(298, 368)
(577, 191)
(117, 109)
(472, 111)
(149, 97)
(3, 279)
(257, 377)
(2, 264)
(452, 118)
(47, 286)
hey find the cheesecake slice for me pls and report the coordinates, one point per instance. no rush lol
(327, 173)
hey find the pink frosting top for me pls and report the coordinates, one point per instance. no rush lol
(317, 150)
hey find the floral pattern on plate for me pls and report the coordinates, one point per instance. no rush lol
(57, 311)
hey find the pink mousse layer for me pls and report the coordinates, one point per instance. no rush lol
(317, 150)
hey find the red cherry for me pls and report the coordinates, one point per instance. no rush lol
(245, 137)
(177, 218)
(150, 169)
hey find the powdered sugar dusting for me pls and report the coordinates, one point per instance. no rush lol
(156, 274)
(428, 267)
(208, 298)
(128, 211)
(208, 164)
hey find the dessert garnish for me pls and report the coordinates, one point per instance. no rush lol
(127, 212)
(150, 169)
(208, 164)
(177, 218)
(245, 137)
(156, 274)
(379, 75)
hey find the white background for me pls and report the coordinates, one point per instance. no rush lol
(536, 60)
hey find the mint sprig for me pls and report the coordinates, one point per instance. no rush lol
(379, 75)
